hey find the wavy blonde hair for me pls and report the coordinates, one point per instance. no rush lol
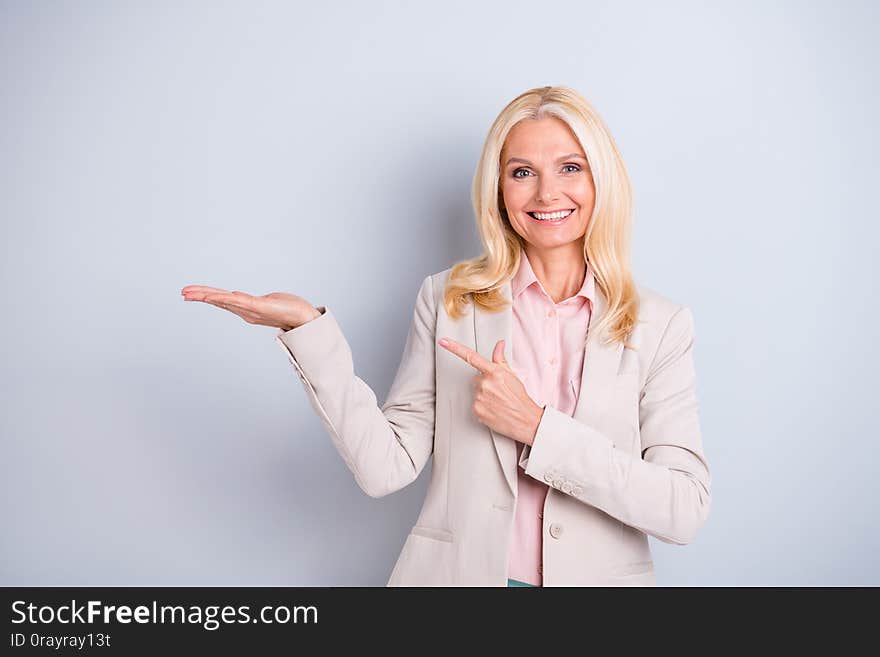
(607, 239)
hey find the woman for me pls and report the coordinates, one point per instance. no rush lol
(556, 396)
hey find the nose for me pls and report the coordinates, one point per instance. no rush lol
(547, 193)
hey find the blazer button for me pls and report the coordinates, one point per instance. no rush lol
(555, 530)
(566, 487)
(548, 477)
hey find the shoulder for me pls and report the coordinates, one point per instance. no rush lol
(664, 318)
(431, 290)
(436, 283)
(653, 305)
(662, 315)
(439, 279)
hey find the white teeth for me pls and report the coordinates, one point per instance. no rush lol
(552, 216)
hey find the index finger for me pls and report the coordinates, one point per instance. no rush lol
(468, 355)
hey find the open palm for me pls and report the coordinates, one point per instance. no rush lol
(277, 309)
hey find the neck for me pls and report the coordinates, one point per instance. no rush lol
(560, 270)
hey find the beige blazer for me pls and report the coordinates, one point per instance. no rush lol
(629, 464)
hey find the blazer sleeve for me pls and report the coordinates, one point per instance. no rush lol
(666, 492)
(385, 448)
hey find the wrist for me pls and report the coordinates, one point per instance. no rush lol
(314, 315)
(536, 422)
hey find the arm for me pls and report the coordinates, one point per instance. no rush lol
(666, 492)
(386, 448)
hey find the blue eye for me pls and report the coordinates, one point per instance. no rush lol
(526, 171)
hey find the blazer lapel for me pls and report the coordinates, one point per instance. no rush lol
(601, 363)
(489, 328)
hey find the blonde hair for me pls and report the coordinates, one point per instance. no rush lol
(607, 239)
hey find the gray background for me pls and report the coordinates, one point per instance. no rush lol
(328, 151)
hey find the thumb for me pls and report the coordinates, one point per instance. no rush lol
(498, 353)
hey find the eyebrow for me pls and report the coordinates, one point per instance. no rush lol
(570, 156)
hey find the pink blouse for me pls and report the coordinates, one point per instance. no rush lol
(547, 353)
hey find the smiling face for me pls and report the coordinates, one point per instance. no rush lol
(546, 185)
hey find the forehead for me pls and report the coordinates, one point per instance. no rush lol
(537, 138)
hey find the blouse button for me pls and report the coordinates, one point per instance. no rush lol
(551, 313)
(553, 361)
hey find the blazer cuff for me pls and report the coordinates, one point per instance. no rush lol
(527, 449)
(555, 445)
(308, 345)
